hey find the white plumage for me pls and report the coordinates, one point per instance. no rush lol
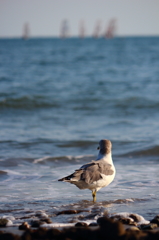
(96, 174)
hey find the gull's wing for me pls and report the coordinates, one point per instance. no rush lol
(90, 172)
(93, 171)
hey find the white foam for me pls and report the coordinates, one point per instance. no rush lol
(140, 219)
(40, 159)
(8, 217)
(83, 156)
(9, 223)
(41, 213)
(58, 225)
(13, 173)
(129, 200)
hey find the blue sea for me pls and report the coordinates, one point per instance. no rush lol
(58, 99)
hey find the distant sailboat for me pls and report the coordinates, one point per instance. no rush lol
(97, 29)
(110, 31)
(64, 29)
(25, 31)
(82, 29)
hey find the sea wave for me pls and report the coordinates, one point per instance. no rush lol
(149, 151)
(48, 160)
(136, 102)
(77, 143)
(81, 144)
(75, 103)
(26, 102)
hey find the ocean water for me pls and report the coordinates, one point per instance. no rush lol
(58, 98)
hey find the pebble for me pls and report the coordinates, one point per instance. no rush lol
(136, 217)
(46, 220)
(110, 229)
(93, 224)
(132, 228)
(41, 214)
(155, 220)
(81, 224)
(69, 212)
(130, 218)
(128, 221)
(24, 226)
(36, 223)
(150, 226)
(3, 222)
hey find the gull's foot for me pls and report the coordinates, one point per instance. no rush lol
(94, 196)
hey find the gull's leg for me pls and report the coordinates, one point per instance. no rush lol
(94, 195)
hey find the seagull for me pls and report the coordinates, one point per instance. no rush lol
(97, 174)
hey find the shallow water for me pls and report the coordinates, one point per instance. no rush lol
(58, 98)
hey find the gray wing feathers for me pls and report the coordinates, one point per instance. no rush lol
(76, 176)
(105, 169)
(92, 172)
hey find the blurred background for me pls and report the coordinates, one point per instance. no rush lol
(52, 18)
(77, 71)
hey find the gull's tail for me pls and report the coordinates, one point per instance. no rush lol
(66, 179)
(74, 177)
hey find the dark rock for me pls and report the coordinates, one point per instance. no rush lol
(36, 223)
(155, 235)
(151, 235)
(135, 235)
(46, 220)
(127, 221)
(3, 172)
(124, 220)
(83, 233)
(25, 217)
(135, 217)
(53, 233)
(110, 229)
(39, 234)
(27, 235)
(70, 212)
(132, 228)
(9, 236)
(93, 224)
(150, 226)
(81, 224)
(24, 226)
(155, 220)
(3, 222)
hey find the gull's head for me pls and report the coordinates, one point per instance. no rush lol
(105, 146)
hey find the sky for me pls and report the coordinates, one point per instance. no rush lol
(45, 17)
